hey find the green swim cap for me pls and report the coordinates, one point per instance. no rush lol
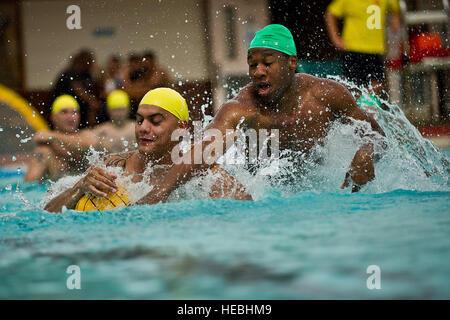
(276, 37)
(367, 100)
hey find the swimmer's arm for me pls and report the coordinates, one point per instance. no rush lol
(78, 142)
(68, 198)
(108, 139)
(226, 186)
(362, 168)
(97, 181)
(228, 117)
(343, 105)
(38, 164)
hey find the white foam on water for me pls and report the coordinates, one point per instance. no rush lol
(408, 161)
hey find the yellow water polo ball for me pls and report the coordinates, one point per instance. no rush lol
(112, 201)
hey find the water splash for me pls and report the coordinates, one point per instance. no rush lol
(407, 161)
(411, 162)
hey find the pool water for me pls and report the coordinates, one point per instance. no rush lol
(315, 241)
(308, 245)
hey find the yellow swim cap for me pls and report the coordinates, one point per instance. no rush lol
(112, 201)
(169, 100)
(63, 102)
(118, 99)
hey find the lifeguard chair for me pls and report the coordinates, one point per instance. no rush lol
(423, 64)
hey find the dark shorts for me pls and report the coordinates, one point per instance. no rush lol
(362, 68)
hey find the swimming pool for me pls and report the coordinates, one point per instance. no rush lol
(316, 242)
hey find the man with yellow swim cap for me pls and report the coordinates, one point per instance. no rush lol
(51, 159)
(160, 112)
(113, 136)
(300, 106)
(116, 135)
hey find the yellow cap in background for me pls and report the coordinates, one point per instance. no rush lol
(63, 102)
(118, 99)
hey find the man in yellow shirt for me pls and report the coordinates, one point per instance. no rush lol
(363, 37)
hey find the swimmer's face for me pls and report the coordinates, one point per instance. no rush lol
(114, 65)
(271, 72)
(154, 127)
(66, 120)
(118, 114)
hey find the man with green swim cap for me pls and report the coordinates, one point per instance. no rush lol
(276, 37)
(302, 107)
(160, 112)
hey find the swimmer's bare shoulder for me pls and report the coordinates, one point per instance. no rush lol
(337, 100)
(232, 112)
(38, 165)
(102, 129)
(330, 93)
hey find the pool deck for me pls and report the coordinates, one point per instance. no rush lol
(13, 163)
(442, 142)
(440, 135)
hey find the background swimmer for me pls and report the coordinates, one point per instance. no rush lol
(118, 134)
(114, 136)
(52, 159)
(160, 112)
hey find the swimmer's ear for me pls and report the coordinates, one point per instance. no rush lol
(183, 124)
(293, 62)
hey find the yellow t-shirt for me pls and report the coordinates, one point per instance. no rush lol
(364, 23)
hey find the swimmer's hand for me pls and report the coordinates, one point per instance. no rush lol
(361, 169)
(97, 182)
